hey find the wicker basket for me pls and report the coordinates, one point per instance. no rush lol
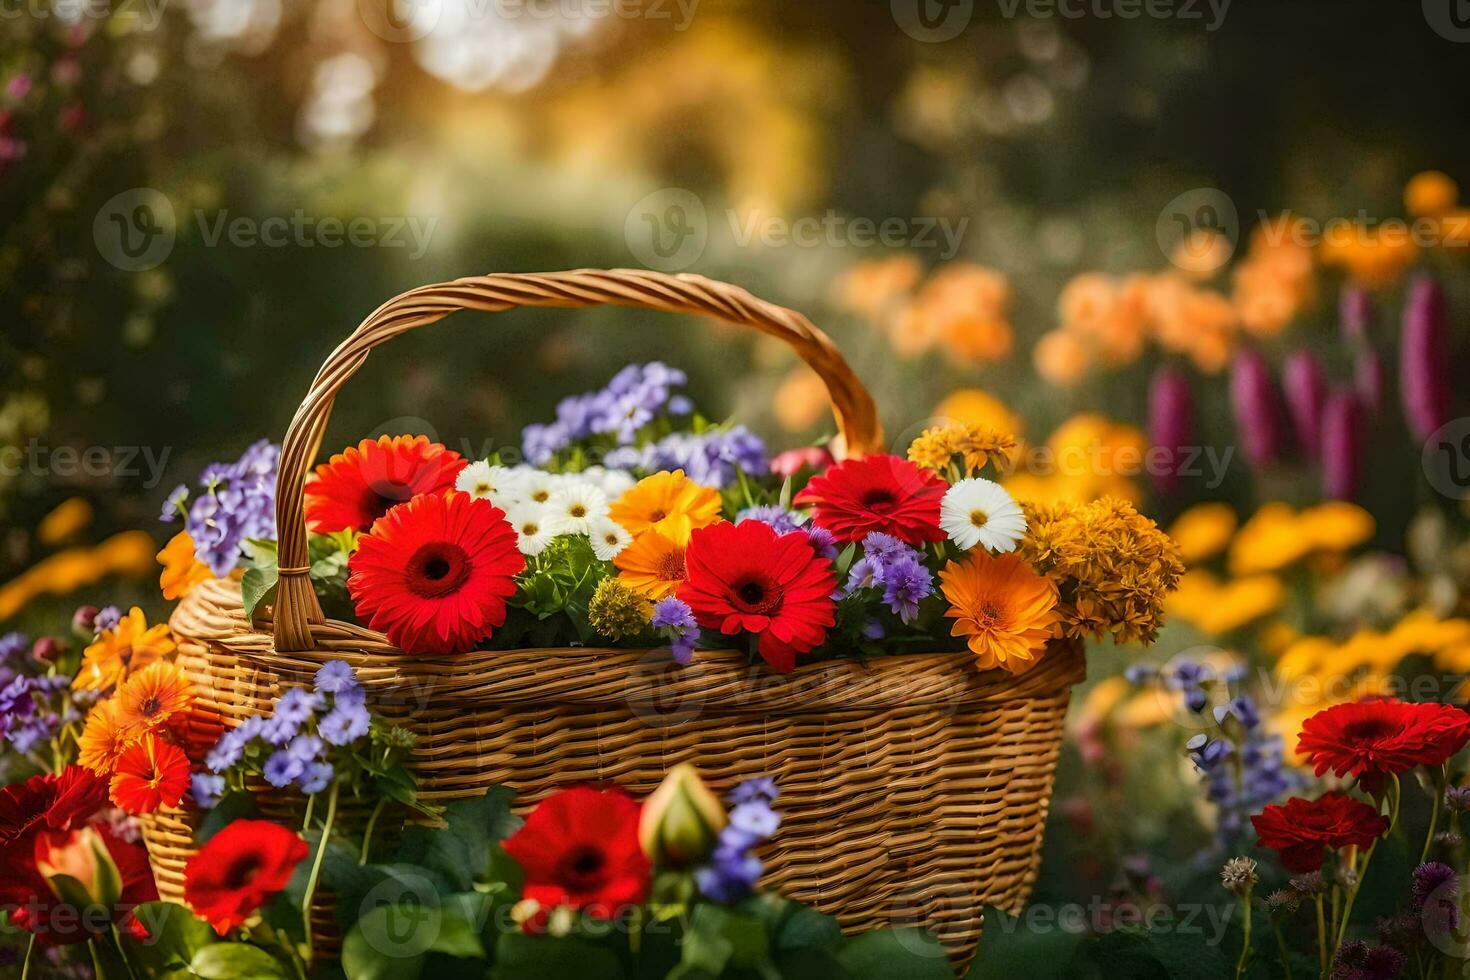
(914, 788)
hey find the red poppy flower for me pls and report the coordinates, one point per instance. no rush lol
(33, 903)
(1300, 830)
(49, 802)
(1371, 738)
(580, 848)
(239, 869)
(434, 574)
(150, 773)
(746, 578)
(877, 493)
(363, 482)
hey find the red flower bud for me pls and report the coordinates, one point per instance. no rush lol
(1424, 358)
(1257, 407)
(1306, 393)
(1170, 422)
(1342, 445)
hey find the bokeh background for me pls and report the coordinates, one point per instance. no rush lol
(1126, 194)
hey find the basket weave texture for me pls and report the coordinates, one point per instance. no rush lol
(914, 788)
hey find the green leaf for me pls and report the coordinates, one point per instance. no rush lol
(522, 957)
(717, 938)
(1164, 949)
(236, 961)
(391, 942)
(258, 585)
(174, 936)
(461, 850)
(1009, 948)
(895, 954)
(235, 805)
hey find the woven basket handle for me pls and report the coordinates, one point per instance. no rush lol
(296, 608)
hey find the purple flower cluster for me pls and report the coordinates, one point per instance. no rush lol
(28, 714)
(779, 518)
(710, 458)
(296, 734)
(674, 621)
(238, 503)
(12, 645)
(895, 568)
(634, 397)
(1436, 898)
(1261, 776)
(733, 870)
(1356, 960)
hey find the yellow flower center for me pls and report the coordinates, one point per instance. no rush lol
(979, 518)
(578, 510)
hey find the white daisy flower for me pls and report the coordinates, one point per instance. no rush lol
(497, 484)
(977, 511)
(612, 482)
(608, 537)
(535, 486)
(576, 505)
(533, 533)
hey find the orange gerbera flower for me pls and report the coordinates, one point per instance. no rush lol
(1004, 609)
(653, 565)
(181, 569)
(104, 737)
(153, 695)
(150, 773)
(667, 502)
(130, 646)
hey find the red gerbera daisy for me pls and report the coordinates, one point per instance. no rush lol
(1371, 738)
(239, 869)
(49, 802)
(580, 848)
(746, 578)
(359, 485)
(33, 902)
(149, 774)
(434, 574)
(1300, 830)
(876, 493)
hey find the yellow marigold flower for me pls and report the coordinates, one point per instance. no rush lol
(1203, 531)
(1336, 525)
(975, 446)
(667, 502)
(616, 611)
(63, 522)
(652, 565)
(181, 570)
(131, 646)
(104, 737)
(1269, 541)
(971, 406)
(153, 695)
(1005, 611)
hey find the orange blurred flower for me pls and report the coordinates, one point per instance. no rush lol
(1430, 193)
(1060, 358)
(181, 569)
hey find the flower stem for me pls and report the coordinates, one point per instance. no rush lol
(1245, 943)
(1321, 935)
(367, 834)
(1439, 783)
(1352, 893)
(1281, 945)
(316, 865)
(25, 969)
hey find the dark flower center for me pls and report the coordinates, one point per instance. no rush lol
(879, 500)
(151, 706)
(581, 869)
(989, 613)
(656, 516)
(242, 870)
(671, 567)
(1368, 729)
(757, 596)
(437, 569)
(382, 496)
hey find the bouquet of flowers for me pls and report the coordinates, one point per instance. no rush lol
(633, 521)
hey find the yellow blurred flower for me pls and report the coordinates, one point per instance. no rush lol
(1269, 541)
(801, 399)
(1336, 525)
(1375, 257)
(64, 522)
(181, 569)
(129, 554)
(1060, 358)
(1203, 531)
(128, 647)
(971, 406)
(1215, 608)
(1430, 193)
